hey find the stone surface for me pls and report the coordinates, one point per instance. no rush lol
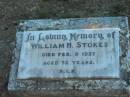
(72, 84)
(79, 53)
(13, 10)
(129, 54)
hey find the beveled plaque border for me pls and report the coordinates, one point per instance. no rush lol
(58, 85)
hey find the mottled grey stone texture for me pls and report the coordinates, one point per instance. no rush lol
(73, 84)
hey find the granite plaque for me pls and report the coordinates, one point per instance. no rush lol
(111, 37)
(77, 53)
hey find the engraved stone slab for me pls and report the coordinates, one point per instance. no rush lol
(66, 84)
(77, 53)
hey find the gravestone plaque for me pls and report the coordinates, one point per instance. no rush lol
(70, 53)
(76, 54)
